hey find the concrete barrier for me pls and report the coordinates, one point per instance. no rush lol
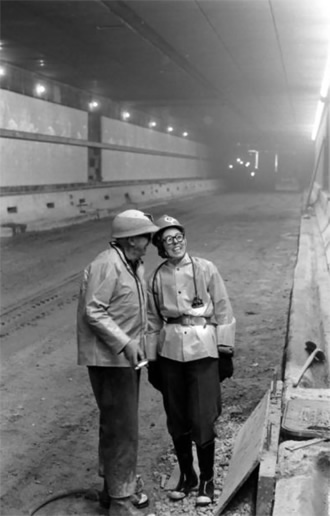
(54, 207)
(303, 485)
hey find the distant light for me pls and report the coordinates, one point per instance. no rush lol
(169, 129)
(126, 115)
(252, 174)
(41, 62)
(2, 71)
(185, 134)
(40, 89)
(93, 104)
(152, 124)
(230, 166)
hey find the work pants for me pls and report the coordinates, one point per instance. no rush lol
(192, 398)
(116, 390)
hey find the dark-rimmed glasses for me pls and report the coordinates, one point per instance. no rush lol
(169, 240)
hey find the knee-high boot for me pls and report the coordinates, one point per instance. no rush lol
(188, 478)
(205, 456)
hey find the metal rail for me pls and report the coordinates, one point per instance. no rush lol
(27, 311)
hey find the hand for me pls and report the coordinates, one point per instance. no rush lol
(133, 352)
(226, 350)
(225, 365)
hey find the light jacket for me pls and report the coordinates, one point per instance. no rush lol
(111, 309)
(170, 293)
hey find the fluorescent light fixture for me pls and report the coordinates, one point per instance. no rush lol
(185, 134)
(93, 104)
(40, 89)
(126, 115)
(170, 129)
(152, 124)
(324, 93)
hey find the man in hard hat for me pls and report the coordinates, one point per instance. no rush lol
(111, 326)
(190, 321)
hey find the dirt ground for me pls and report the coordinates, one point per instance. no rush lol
(49, 418)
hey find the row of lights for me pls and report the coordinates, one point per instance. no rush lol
(152, 124)
(40, 89)
(240, 162)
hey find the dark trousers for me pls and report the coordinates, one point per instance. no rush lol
(192, 398)
(116, 390)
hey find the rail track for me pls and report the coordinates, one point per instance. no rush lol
(27, 311)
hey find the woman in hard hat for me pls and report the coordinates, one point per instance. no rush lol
(111, 326)
(189, 319)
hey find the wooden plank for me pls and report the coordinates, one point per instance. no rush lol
(246, 453)
(268, 459)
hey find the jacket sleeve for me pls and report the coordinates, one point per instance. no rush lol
(100, 282)
(155, 324)
(223, 312)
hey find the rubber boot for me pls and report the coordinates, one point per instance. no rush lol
(188, 478)
(205, 456)
(123, 507)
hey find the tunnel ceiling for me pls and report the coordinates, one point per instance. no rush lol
(243, 70)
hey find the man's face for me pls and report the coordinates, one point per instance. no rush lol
(174, 243)
(141, 244)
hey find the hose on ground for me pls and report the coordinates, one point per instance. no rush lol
(90, 494)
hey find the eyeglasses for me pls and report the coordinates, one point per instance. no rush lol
(169, 240)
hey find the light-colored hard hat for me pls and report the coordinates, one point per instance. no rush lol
(132, 223)
(165, 222)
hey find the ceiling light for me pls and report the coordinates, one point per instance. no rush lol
(252, 174)
(185, 134)
(169, 129)
(152, 124)
(40, 89)
(247, 164)
(2, 71)
(93, 104)
(126, 115)
(230, 166)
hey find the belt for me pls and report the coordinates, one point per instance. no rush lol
(189, 320)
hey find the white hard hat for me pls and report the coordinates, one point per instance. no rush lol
(132, 223)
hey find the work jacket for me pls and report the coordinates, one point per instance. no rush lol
(171, 291)
(111, 309)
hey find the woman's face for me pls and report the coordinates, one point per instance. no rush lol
(175, 244)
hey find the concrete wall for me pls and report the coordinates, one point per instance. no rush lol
(44, 210)
(124, 133)
(46, 156)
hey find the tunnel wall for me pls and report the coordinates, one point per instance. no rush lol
(309, 318)
(55, 165)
